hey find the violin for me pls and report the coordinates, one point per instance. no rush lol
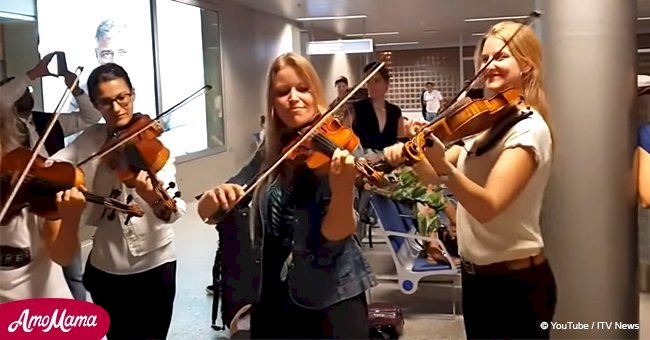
(144, 152)
(136, 148)
(459, 120)
(17, 183)
(315, 147)
(316, 152)
(465, 119)
(44, 179)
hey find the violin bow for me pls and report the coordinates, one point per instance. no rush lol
(530, 19)
(249, 188)
(102, 153)
(41, 142)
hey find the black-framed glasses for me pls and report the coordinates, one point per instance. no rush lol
(122, 100)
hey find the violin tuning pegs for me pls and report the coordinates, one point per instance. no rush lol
(177, 194)
(172, 185)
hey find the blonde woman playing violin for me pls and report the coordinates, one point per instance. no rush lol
(508, 285)
(314, 276)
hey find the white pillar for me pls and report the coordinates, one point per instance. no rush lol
(589, 218)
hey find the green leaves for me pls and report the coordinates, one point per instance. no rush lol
(426, 202)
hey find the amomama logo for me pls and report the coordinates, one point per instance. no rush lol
(52, 319)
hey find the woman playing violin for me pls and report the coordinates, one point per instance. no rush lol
(131, 269)
(33, 249)
(314, 276)
(508, 285)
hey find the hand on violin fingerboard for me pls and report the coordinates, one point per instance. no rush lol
(145, 189)
(343, 172)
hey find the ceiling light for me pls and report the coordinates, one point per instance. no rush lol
(9, 15)
(477, 34)
(643, 18)
(430, 31)
(399, 43)
(497, 18)
(339, 46)
(370, 34)
(333, 17)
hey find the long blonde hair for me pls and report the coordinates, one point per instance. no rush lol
(275, 129)
(527, 50)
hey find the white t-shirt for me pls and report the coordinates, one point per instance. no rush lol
(121, 245)
(26, 270)
(432, 100)
(515, 233)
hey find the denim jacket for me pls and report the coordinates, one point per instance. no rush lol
(319, 272)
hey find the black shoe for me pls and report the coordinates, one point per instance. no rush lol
(210, 289)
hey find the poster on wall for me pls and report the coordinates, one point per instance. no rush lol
(92, 33)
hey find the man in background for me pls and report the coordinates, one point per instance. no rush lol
(431, 99)
(110, 47)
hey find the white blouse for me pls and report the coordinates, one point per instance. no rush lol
(122, 245)
(26, 269)
(515, 233)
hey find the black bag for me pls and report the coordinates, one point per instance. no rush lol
(237, 271)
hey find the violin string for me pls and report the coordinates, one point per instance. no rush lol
(292, 149)
(130, 136)
(331, 146)
(93, 198)
(41, 142)
(445, 112)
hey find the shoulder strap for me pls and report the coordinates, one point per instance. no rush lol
(499, 130)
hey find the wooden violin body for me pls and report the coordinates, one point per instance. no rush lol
(143, 152)
(463, 120)
(330, 135)
(44, 180)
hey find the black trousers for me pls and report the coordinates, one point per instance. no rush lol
(509, 306)
(139, 305)
(283, 319)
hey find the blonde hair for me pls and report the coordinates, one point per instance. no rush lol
(527, 51)
(275, 129)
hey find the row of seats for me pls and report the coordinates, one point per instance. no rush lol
(398, 225)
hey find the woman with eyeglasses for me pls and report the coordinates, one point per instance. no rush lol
(131, 269)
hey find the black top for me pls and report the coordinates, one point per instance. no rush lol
(55, 140)
(366, 125)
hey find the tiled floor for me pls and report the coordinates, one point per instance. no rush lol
(196, 245)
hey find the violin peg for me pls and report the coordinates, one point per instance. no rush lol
(172, 185)
(177, 194)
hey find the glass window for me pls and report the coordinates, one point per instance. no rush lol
(189, 57)
(97, 33)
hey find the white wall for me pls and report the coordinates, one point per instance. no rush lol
(331, 67)
(250, 40)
